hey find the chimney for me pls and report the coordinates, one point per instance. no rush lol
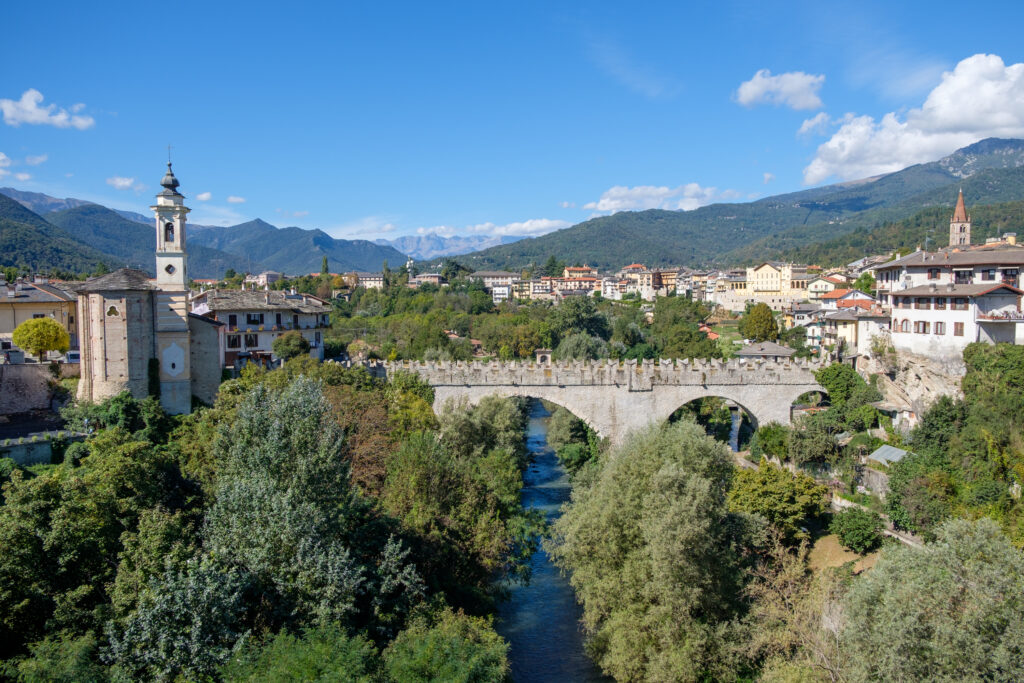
(266, 297)
(1011, 238)
(10, 291)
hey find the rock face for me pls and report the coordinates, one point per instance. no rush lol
(915, 381)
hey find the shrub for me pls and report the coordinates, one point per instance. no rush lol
(858, 529)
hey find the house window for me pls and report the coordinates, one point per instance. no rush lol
(1010, 276)
(940, 328)
(234, 341)
(962, 277)
(989, 274)
(277, 319)
(295, 322)
(318, 338)
(253, 318)
(38, 315)
(958, 329)
(922, 327)
(71, 320)
(933, 273)
(6, 346)
(940, 303)
(233, 320)
(923, 303)
(252, 341)
(959, 303)
(905, 326)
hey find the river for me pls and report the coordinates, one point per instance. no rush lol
(541, 620)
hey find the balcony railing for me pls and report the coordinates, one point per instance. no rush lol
(999, 317)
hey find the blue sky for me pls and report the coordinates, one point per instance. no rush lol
(386, 119)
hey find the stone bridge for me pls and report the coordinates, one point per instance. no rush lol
(615, 398)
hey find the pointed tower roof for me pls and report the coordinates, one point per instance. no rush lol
(960, 212)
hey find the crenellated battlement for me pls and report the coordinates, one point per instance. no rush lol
(631, 374)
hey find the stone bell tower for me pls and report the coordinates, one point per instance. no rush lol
(170, 301)
(960, 224)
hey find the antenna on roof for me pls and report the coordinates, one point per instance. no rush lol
(168, 154)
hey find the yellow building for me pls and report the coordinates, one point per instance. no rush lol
(23, 301)
(775, 279)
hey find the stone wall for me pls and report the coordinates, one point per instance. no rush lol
(25, 387)
(204, 350)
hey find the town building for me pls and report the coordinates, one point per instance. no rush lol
(579, 271)
(267, 277)
(764, 350)
(137, 335)
(369, 280)
(252, 319)
(846, 298)
(22, 300)
(490, 278)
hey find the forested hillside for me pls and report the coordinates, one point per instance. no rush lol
(28, 241)
(910, 233)
(130, 243)
(725, 234)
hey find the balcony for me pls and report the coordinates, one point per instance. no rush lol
(999, 317)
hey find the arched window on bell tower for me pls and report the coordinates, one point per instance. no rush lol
(169, 232)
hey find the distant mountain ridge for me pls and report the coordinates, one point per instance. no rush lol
(76, 235)
(431, 246)
(990, 171)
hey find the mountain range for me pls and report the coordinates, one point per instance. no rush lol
(990, 171)
(432, 245)
(74, 235)
(834, 222)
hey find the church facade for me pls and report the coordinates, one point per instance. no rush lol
(137, 334)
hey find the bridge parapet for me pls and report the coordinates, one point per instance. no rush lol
(632, 375)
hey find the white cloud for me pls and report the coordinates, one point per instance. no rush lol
(816, 125)
(568, 205)
(794, 89)
(236, 200)
(5, 162)
(35, 160)
(216, 215)
(204, 196)
(980, 98)
(28, 110)
(121, 182)
(768, 177)
(686, 197)
(23, 176)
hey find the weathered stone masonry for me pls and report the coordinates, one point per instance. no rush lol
(614, 398)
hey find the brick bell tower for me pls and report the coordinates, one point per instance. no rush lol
(170, 301)
(960, 224)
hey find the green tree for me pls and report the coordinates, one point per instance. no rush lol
(581, 346)
(324, 270)
(950, 611)
(653, 554)
(284, 504)
(289, 345)
(865, 283)
(39, 335)
(840, 381)
(759, 324)
(448, 647)
(187, 624)
(60, 659)
(788, 501)
(772, 440)
(858, 529)
(323, 653)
